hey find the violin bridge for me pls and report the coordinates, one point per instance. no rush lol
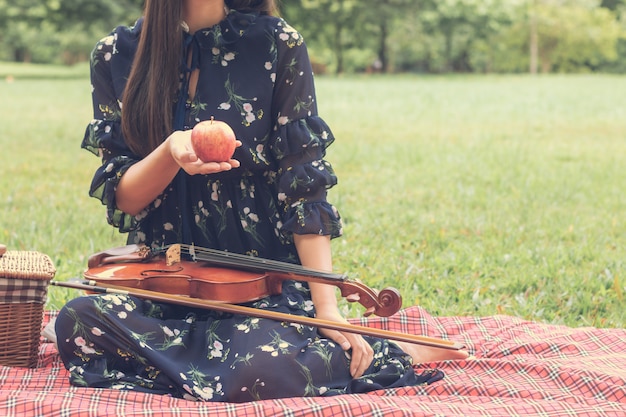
(172, 255)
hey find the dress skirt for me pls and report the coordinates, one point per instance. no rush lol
(123, 342)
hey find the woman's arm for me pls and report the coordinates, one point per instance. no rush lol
(315, 252)
(145, 181)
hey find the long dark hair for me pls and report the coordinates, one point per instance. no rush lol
(154, 77)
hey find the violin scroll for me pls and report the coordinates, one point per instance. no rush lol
(385, 303)
(390, 301)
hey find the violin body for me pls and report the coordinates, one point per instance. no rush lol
(222, 277)
(188, 278)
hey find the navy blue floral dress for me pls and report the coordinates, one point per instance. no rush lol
(255, 75)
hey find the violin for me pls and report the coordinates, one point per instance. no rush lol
(221, 280)
(222, 276)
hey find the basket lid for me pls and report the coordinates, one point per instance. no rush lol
(25, 265)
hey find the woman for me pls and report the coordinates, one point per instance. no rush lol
(233, 60)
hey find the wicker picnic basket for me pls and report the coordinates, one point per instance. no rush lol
(24, 279)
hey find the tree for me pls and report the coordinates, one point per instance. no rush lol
(380, 19)
(86, 12)
(570, 34)
(358, 35)
(613, 4)
(463, 22)
(36, 30)
(619, 8)
(326, 22)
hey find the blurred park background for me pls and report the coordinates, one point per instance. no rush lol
(480, 146)
(345, 36)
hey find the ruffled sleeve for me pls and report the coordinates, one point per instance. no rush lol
(110, 63)
(299, 142)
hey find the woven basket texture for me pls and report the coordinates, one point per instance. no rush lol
(24, 277)
(26, 265)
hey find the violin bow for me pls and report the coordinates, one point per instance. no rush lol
(255, 312)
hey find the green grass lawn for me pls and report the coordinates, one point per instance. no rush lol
(473, 195)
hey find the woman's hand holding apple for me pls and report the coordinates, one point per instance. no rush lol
(213, 141)
(183, 153)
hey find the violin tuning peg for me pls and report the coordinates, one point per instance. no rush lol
(369, 311)
(353, 298)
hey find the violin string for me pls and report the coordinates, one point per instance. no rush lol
(250, 262)
(235, 259)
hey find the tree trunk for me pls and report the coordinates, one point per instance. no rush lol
(448, 34)
(22, 55)
(383, 56)
(534, 43)
(339, 50)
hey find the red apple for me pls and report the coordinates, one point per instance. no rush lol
(213, 141)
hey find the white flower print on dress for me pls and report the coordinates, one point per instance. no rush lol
(259, 154)
(215, 193)
(308, 305)
(168, 331)
(217, 351)
(96, 331)
(228, 57)
(242, 327)
(205, 393)
(113, 299)
(290, 36)
(221, 55)
(82, 344)
(203, 387)
(276, 346)
(109, 40)
(242, 104)
(203, 209)
(283, 120)
(254, 392)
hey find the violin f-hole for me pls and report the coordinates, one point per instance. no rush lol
(150, 272)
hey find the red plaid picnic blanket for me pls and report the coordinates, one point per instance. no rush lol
(521, 369)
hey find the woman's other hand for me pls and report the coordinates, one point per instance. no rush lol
(361, 353)
(315, 252)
